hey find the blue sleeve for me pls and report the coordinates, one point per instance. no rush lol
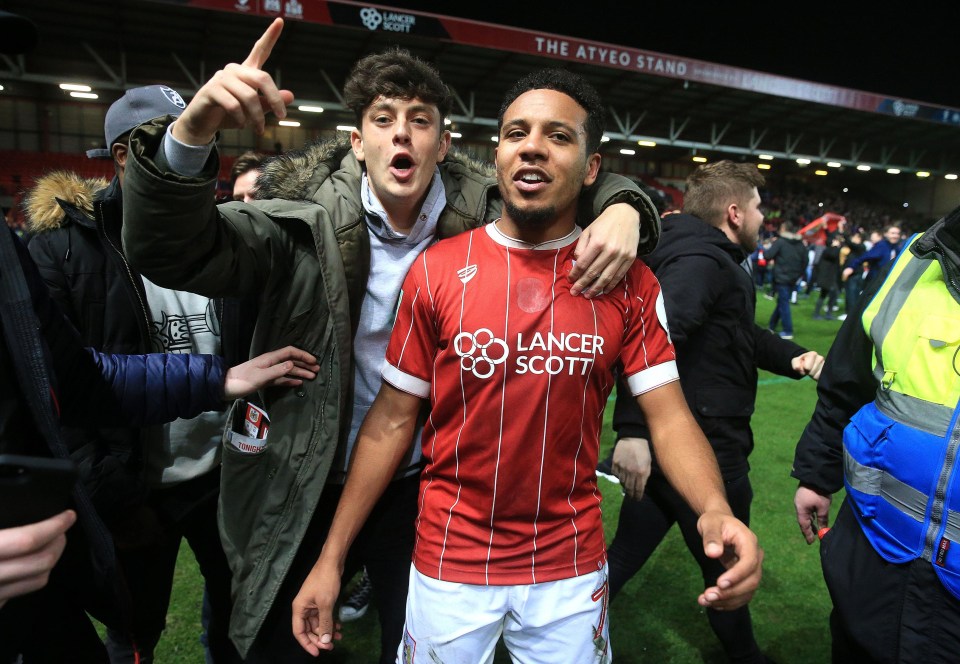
(874, 253)
(158, 387)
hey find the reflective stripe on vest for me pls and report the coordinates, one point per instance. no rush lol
(901, 450)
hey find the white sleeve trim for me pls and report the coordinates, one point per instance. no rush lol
(404, 381)
(652, 378)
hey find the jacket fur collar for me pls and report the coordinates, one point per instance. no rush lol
(297, 174)
(42, 203)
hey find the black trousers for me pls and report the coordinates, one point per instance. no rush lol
(184, 511)
(885, 612)
(384, 546)
(642, 526)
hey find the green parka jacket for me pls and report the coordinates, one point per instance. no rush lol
(304, 248)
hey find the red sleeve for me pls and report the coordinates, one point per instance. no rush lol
(413, 342)
(649, 359)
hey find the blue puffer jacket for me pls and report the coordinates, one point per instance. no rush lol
(160, 387)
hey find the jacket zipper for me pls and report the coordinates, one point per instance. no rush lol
(940, 495)
(133, 282)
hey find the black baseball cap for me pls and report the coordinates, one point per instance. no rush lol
(136, 106)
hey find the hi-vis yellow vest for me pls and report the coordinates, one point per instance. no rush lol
(901, 450)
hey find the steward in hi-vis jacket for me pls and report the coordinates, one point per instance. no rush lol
(885, 428)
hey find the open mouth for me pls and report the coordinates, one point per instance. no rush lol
(402, 163)
(530, 180)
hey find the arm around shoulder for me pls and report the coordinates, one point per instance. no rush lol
(610, 189)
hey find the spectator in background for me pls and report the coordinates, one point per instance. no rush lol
(814, 251)
(789, 256)
(243, 176)
(878, 255)
(16, 225)
(827, 276)
(77, 225)
(758, 261)
(852, 284)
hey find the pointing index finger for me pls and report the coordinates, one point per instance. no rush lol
(262, 48)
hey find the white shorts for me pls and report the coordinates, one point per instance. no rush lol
(543, 623)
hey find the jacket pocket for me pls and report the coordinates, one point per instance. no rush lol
(864, 443)
(933, 360)
(242, 483)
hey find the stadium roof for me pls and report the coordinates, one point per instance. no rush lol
(679, 103)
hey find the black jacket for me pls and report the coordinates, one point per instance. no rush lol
(76, 226)
(710, 302)
(790, 258)
(84, 387)
(847, 382)
(76, 246)
(827, 271)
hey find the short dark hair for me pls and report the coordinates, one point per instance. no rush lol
(395, 74)
(711, 187)
(570, 84)
(248, 161)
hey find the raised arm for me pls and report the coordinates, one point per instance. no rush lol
(382, 442)
(239, 95)
(172, 231)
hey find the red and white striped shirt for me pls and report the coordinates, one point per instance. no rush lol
(517, 371)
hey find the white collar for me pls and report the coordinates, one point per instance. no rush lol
(500, 238)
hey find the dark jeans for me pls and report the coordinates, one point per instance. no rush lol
(384, 546)
(885, 612)
(187, 510)
(829, 295)
(852, 292)
(781, 314)
(642, 526)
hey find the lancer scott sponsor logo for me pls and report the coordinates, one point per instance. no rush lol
(385, 20)
(566, 353)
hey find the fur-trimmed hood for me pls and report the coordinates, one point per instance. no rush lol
(295, 175)
(42, 206)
